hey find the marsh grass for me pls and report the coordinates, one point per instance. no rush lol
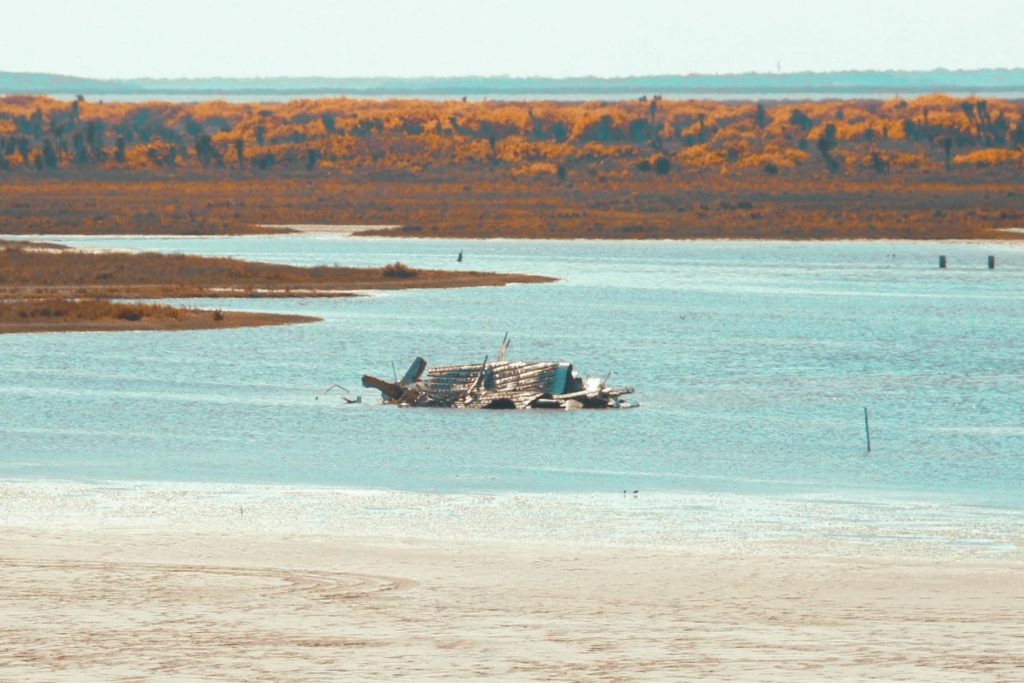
(27, 271)
(56, 314)
(49, 289)
(595, 201)
(60, 309)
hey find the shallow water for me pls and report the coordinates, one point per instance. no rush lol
(752, 363)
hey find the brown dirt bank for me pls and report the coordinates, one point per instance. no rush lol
(481, 202)
(71, 315)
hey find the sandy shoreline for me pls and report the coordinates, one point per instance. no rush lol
(130, 605)
(327, 229)
(199, 582)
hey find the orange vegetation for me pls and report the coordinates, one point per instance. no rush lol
(933, 166)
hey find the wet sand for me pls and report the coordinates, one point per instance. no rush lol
(129, 604)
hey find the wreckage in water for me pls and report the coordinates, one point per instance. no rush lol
(502, 384)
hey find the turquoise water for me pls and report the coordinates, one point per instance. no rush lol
(752, 364)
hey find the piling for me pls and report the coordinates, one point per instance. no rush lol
(942, 262)
(867, 429)
(991, 262)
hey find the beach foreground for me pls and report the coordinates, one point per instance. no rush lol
(127, 603)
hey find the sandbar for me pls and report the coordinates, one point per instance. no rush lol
(140, 597)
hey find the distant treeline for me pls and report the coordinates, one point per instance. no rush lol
(934, 133)
(939, 80)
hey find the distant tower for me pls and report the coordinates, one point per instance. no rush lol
(778, 67)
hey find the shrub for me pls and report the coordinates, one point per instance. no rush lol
(131, 313)
(538, 168)
(987, 157)
(398, 270)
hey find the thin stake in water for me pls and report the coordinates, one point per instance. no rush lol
(867, 428)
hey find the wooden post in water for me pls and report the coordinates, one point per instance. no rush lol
(867, 428)
(991, 262)
(942, 262)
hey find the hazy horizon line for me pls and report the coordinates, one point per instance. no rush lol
(509, 76)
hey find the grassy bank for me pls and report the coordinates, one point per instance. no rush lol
(47, 287)
(29, 270)
(66, 315)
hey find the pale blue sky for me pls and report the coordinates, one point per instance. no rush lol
(127, 38)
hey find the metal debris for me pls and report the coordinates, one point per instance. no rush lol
(500, 385)
(344, 399)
